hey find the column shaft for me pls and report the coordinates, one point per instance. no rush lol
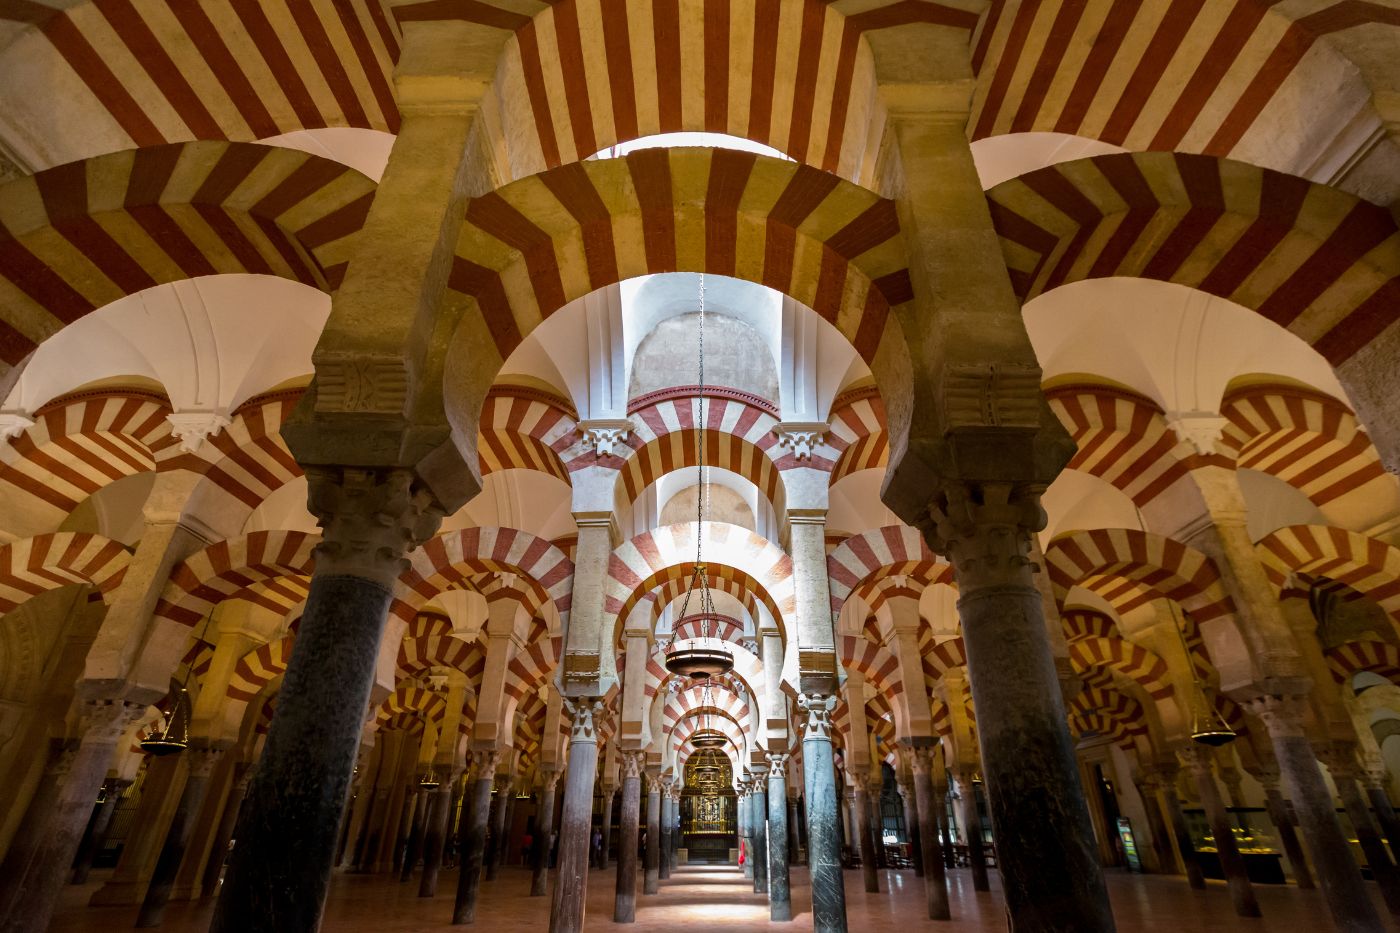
(758, 832)
(218, 849)
(1385, 814)
(1241, 891)
(625, 901)
(413, 845)
(435, 836)
(177, 837)
(473, 842)
(544, 829)
(665, 865)
(911, 827)
(496, 845)
(652, 882)
(779, 884)
(935, 871)
(868, 869)
(1278, 812)
(1382, 868)
(571, 882)
(972, 828)
(823, 844)
(96, 834)
(745, 837)
(1187, 849)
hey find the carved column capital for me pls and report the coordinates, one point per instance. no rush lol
(923, 758)
(1282, 715)
(370, 519)
(985, 529)
(632, 763)
(104, 720)
(1340, 759)
(818, 707)
(1197, 757)
(586, 716)
(778, 762)
(203, 757)
(549, 778)
(484, 762)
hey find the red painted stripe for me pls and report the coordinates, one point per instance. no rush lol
(765, 63)
(805, 88)
(1166, 40)
(617, 43)
(151, 54)
(269, 46)
(574, 189)
(716, 86)
(533, 72)
(65, 195)
(650, 170)
(569, 46)
(471, 11)
(1362, 230)
(841, 98)
(1096, 64)
(110, 92)
(1281, 198)
(369, 62)
(729, 176)
(1062, 30)
(1290, 50)
(984, 38)
(327, 58)
(1006, 67)
(210, 44)
(666, 32)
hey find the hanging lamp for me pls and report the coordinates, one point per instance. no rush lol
(707, 656)
(707, 736)
(1207, 726)
(175, 737)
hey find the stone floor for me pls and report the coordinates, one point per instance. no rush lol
(718, 898)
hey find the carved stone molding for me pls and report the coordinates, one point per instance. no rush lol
(985, 529)
(800, 437)
(370, 519)
(13, 424)
(586, 715)
(632, 763)
(603, 433)
(484, 762)
(818, 707)
(193, 428)
(106, 720)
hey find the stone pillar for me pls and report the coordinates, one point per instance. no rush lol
(758, 828)
(410, 828)
(1046, 850)
(823, 844)
(544, 829)
(1340, 759)
(652, 881)
(435, 823)
(96, 834)
(202, 759)
(869, 871)
(794, 823)
(745, 842)
(1171, 802)
(1200, 760)
(161, 789)
(370, 519)
(1147, 787)
(571, 885)
(473, 837)
(1337, 872)
(422, 802)
(496, 845)
(935, 871)
(42, 859)
(1278, 811)
(609, 792)
(911, 825)
(779, 884)
(1374, 779)
(665, 854)
(218, 848)
(972, 827)
(625, 901)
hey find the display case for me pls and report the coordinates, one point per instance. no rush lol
(1254, 837)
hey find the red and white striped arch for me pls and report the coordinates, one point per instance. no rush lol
(1080, 623)
(31, 566)
(1124, 658)
(247, 461)
(531, 247)
(877, 663)
(1130, 568)
(1321, 263)
(454, 556)
(80, 443)
(1095, 707)
(1307, 439)
(883, 552)
(858, 433)
(411, 699)
(235, 567)
(1378, 657)
(723, 701)
(258, 667)
(725, 628)
(1123, 439)
(1367, 565)
(667, 554)
(526, 429)
(143, 74)
(420, 653)
(85, 234)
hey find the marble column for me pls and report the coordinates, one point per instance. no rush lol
(1336, 870)
(497, 845)
(1171, 801)
(779, 883)
(758, 828)
(1047, 855)
(1147, 787)
(972, 828)
(651, 883)
(1385, 811)
(1341, 762)
(473, 837)
(609, 792)
(625, 900)
(864, 838)
(421, 801)
(202, 759)
(1200, 761)
(544, 830)
(664, 867)
(96, 834)
(911, 825)
(434, 839)
(794, 823)
(576, 823)
(1278, 811)
(927, 801)
(35, 873)
(218, 848)
(369, 519)
(745, 842)
(823, 844)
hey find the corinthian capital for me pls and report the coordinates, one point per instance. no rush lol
(587, 715)
(985, 529)
(370, 519)
(818, 707)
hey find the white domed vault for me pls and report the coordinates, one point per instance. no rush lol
(1002, 391)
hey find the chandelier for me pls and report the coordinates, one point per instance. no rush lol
(175, 737)
(707, 656)
(1207, 727)
(707, 736)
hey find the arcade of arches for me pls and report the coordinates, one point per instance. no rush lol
(355, 461)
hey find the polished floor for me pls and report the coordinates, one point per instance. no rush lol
(719, 898)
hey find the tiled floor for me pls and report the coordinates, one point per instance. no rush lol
(718, 898)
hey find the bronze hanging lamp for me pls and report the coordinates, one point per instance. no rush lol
(707, 736)
(175, 737)
(1207, 725)
(707, 656)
